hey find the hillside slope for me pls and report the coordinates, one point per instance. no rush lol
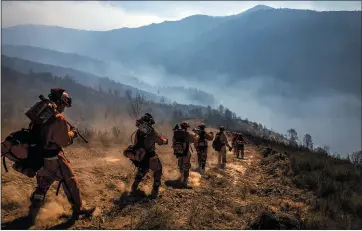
(262, 191)
(67, 60)
(224, 199)
(84, 78)
(90, 72)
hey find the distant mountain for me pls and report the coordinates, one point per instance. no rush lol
(74, 61)
(307, 50)
(20, 91)
(46, 56)
(86, 79)
(79, 65)
(50, 37)
(257, 8)
(126, 44)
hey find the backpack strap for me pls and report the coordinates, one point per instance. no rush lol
(58, 188)
(187, 143)
(202, 135)
(4, 164)
(4, 158)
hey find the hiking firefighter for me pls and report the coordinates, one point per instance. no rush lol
(219, 144)
(181, 145)
(239, 141)
(143, 153)
(233, 142)
(51, 135)
(202, 145)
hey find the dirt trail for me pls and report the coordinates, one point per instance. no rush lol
(222, 199)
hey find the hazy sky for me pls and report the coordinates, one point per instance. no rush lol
(106, 15)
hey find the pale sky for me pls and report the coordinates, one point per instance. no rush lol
(107, 15)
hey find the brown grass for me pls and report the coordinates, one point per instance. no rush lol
(283, 184)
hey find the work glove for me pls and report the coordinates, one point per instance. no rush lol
(73, 133)
(165, 141)
(60, 116)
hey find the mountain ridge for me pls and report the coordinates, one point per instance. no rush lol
(86, 79)
(189, 96)
(250, 10)
(236, 47)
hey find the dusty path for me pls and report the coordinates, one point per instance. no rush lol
(223, 199)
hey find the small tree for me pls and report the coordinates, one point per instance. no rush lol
(221, 109)
(326, 148)
(106, 113)
(177, 114)
(356, 158)
(293, 136)
(116, 131)
(228, 115)
(321, 151)
(135, 105)
(307, 141)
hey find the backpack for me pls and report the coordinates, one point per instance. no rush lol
(22, 148)
(202, 142)
(134, 154)
(144, 129)
(137, 152)
(239, 143)
(180, 144)
(41, 113)
(216, 144)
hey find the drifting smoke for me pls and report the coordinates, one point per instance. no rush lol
(332, 118)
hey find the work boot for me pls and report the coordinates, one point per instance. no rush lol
(154, 192)
(202, 169)
(186, 179)
(34, 209)
(181, 176)
(87, 211)
(37, 201)
(134, 186)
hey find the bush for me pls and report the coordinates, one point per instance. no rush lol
(337, 186)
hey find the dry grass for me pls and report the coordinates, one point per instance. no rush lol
(233, 198)
(336, 185)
